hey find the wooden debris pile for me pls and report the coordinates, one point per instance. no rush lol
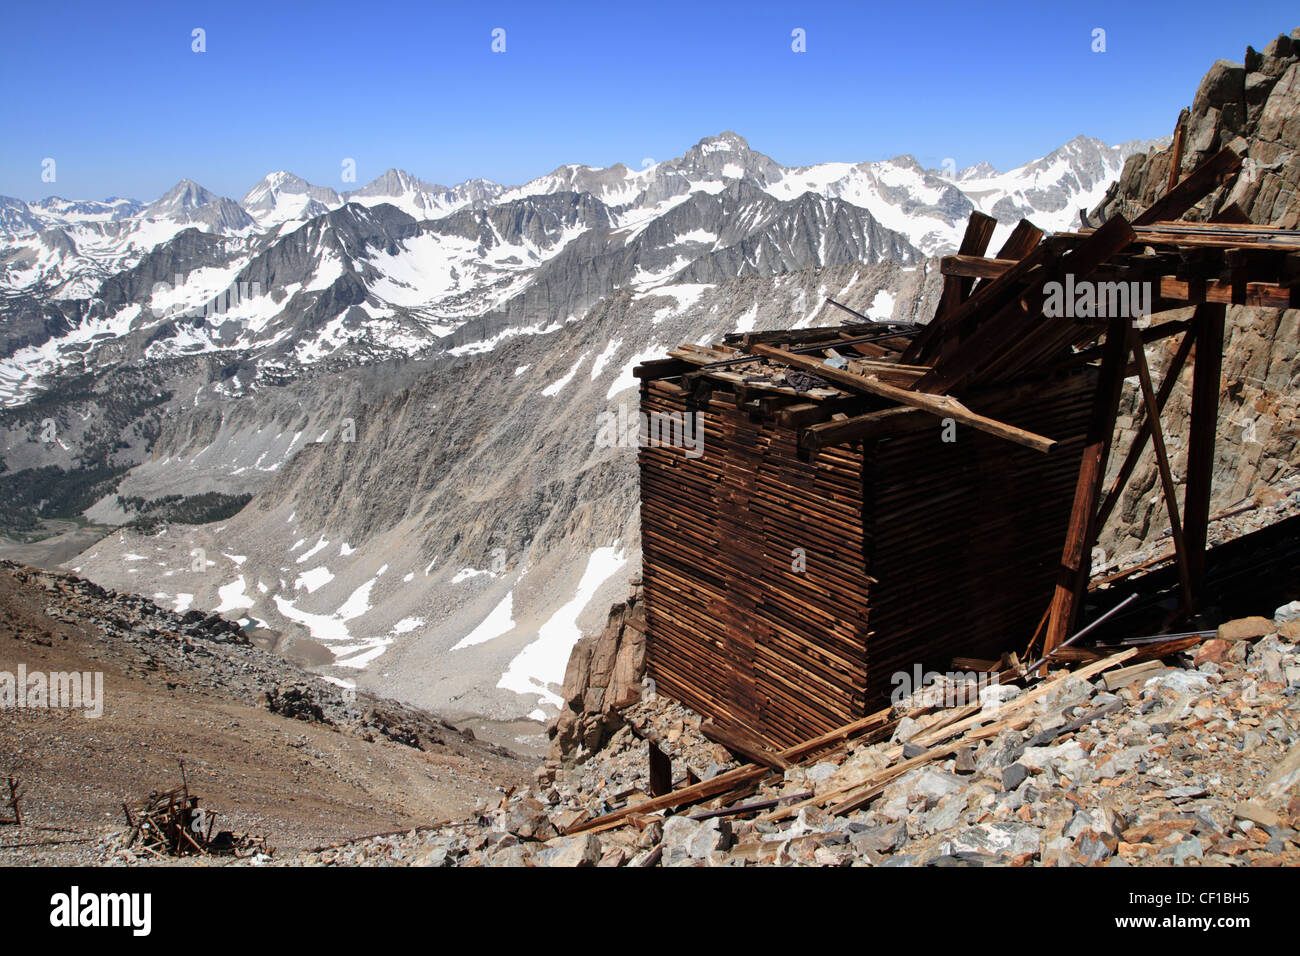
(14, 818)
(950, 730)
(171, 823)
(863, 498)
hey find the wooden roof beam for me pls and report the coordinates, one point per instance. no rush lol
(1196, 186)
(944, 406)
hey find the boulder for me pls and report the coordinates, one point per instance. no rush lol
(1041, 758)
(581, 850)
(1014, 775)
(527, 820)
(514, 854)
(997, 839)
(1245, 629)
(687, 840)
(924, 785)
(1287, 613)
(1222, 85)
(883, 839)
(1212, 651)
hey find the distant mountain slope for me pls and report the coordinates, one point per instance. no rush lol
(409, 380)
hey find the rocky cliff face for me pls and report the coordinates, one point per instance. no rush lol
(603, 678)
(1254, 106)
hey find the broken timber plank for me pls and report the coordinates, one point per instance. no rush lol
(860, 794)
(1003, 335)
(966, 727)
(942, 405)
(744, 745)
(1198, 183)
(887, 421)
(725, 782)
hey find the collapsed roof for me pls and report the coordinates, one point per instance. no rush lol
(846, 444)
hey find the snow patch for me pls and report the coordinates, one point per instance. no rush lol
(499, 621)
(542, 663)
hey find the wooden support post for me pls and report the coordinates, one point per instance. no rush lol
(956, 289)
(1076, 556)
(14, 794)
(661, 771)
(1144, 430)
(1162, 462)
(1208, 365)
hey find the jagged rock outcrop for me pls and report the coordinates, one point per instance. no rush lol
(1255, 107)
(604, 676)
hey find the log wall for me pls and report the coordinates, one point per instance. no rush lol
(962, 537)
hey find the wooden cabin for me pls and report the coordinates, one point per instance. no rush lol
(785, 586)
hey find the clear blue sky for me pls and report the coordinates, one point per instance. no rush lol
(114, 94)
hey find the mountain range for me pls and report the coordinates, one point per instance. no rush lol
(363, 422)
(409, 276)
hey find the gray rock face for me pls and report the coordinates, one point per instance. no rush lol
(424, 200)
(1077, 168)
(1256, 106)
(16, 218)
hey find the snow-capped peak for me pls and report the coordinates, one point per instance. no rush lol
(283, 197)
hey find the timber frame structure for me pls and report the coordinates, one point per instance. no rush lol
(827, 441)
